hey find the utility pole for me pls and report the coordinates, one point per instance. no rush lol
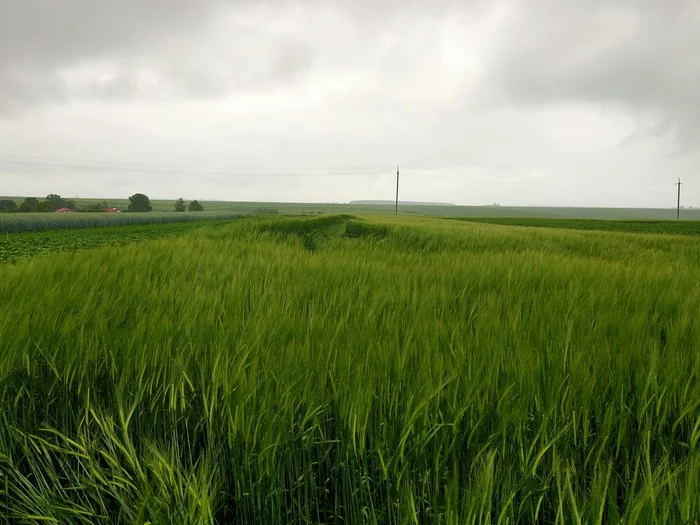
(397, 190)
(678, 209)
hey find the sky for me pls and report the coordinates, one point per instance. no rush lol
(517, 102)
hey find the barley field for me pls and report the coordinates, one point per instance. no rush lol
(352, 370)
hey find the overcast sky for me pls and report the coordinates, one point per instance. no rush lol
(521, 102)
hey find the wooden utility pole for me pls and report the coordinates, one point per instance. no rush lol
(678, 208)
(397, 190)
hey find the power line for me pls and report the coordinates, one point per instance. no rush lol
(233, 171)
(262, 171)
(20, 158)
(184, 169)
(197, 171)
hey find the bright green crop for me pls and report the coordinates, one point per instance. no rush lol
(345, 370)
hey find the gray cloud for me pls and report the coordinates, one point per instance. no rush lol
(184, 48)
(638, 54)
(40, 33)
(516, 92)
(23, 88)
(39, 40)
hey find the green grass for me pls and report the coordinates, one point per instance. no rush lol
(630, 226)
(339, 370)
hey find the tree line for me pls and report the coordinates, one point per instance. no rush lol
(192, 206)
(53, 202)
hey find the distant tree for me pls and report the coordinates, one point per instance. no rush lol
(30, 204)
(44, 207)
(94, 207)
(53, 202)
(195, 206)
(180, 205)
(70, 204)
(139, 202)
(7, 205)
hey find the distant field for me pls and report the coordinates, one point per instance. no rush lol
(17, 247)
(34, 222)
(336, 369)
(437, 211)
(645, 226)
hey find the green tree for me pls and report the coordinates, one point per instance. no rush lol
(195, 206)
(94, 207)
(139, 202)
(30, 204)
(180, 205)
(7, 205)
(54, 202)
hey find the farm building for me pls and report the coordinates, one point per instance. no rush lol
(63, 210)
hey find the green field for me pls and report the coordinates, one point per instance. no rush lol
(292, 208)
(336, 369)
(630, 226)
(38, 222)
(17, 247)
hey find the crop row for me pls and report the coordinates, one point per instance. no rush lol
(14, 248)
(34, 222)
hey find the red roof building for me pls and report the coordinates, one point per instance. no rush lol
(64, 210)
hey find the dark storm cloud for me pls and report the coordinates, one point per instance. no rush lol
(642, 55)
(23, 87)
(50, 33)
(42, 43)
(38, 38)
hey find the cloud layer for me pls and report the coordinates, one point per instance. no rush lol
(516, 101)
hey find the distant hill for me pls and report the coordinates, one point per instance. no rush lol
(412, 203)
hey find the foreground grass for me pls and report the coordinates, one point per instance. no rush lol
(343, 371)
